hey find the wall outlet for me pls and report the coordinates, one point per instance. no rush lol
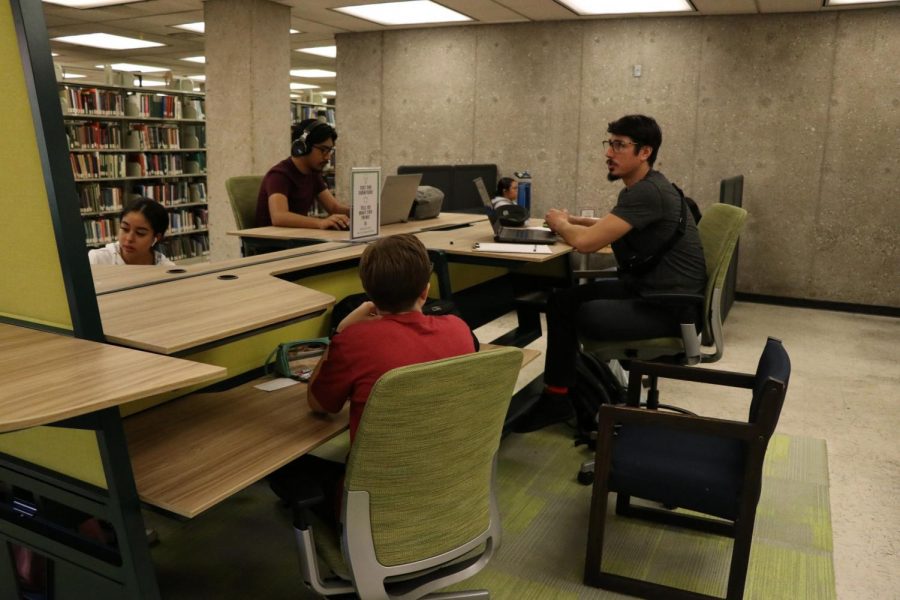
(587, 212)
(636, 70)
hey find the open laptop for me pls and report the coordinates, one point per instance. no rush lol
(511, 234)
(397, 196)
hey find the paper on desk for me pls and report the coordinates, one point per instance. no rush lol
(512, 248)
(276, 384)
(547, 229)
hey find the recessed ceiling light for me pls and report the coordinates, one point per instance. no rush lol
(196, 59)
(303, 86)
(148, 82)
(198, 27)
(413, 12)
(54, 54)
(197, 77)
(327, 51)
(295, 95)
(839, 2)
(293, 31)
(73, 76)
(618, 7)
(133, 68)
(331, 93)
(312, 73)
(107, 41)
(88, 3)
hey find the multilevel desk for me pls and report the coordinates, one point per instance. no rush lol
(292, 236)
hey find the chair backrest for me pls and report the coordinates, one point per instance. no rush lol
(424, 453)
(243, 192)
(772, 376)
(719, 231)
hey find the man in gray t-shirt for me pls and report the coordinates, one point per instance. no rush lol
(640, 229)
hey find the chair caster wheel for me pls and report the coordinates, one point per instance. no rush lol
(585, 477)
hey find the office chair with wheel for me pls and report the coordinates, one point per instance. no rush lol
(709, 466)
(419, 512)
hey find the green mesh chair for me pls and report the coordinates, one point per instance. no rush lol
(242, 194)
(419, 512)
(719, 230)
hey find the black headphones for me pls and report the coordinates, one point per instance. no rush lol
(299, 146)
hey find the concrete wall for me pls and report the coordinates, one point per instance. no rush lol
(805, 106)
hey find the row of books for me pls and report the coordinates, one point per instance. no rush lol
(173, 194)
(93, 166)
(187, 246)
(162, 106)
(93, 135)
(300, 112)
(184, 220)
(149, 165)
(153, 137)
(91, 101)
(94, 198)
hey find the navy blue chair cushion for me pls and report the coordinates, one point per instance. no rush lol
(689, 470)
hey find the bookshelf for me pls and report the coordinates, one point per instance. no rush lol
(126, 142)
(308, 110)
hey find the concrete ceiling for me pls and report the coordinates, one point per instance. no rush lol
(315, 19)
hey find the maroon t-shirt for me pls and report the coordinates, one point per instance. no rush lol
(285, 178)
(365, 351)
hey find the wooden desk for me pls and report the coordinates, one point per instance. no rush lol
(293, 234)
(188, 313)
(114, 278)
(460, 242)
(50, 377)
(189, 454)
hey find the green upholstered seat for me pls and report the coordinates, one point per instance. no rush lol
(419, 511)
(719, 231)
(243, 192)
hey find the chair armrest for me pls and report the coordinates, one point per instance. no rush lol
(713, 376)
(610, 415)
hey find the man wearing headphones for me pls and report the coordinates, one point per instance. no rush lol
(291, 187)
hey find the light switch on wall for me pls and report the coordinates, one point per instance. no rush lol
(636, 70)
(587, 212)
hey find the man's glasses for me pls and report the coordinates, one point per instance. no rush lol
(325, 150)
(617, 145)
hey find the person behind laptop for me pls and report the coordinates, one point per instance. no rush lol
(142, 226)
(290, 188)
(507, 192)
(388, 332)
(644, 219)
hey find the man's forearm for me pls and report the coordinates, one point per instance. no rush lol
(292, 219)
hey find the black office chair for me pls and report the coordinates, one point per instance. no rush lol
(706, 465)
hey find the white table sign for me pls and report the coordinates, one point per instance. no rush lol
(365, 202)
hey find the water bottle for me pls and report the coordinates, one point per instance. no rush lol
(524, 197)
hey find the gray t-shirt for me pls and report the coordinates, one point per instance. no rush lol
(653, 207)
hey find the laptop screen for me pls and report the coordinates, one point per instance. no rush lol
(488, 207)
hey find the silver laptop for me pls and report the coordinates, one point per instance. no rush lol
(511, 234)
(397, 196)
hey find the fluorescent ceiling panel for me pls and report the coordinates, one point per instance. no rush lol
(89, 3)
(312, 73)
(326, 51)
(618, 7)
(107, 41)
(73, 76)
(293, 31)
(295, 95)
(200, 27)
(303, 86)
(839, 2)
(331, 93)
(133, 68)
(197, 77)
(414, 12)
(54, 54)
(195, 59)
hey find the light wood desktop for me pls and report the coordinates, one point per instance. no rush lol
(443, 220)
(461, 242)
(114, 278)
(192, 453)
(180, 315)
(49, 377)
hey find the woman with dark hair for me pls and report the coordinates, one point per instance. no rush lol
(142, 225)
(507, 192)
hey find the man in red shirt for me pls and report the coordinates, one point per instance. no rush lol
(385, 333)
(290, 188)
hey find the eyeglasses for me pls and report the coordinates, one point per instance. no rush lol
(617, 145)
(325, 150)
